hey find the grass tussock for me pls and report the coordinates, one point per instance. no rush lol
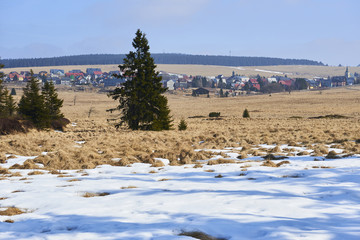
(199, 235)
(129, 187)
(220, 161)
(268, 163)
(11, 211)
(332, 155)
(35, 173)
(4, 171)
(90, 194)
(273, 157)
(158, 163)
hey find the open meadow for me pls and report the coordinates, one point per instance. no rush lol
(291, 171)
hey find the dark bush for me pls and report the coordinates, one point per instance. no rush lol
(246, 114)
(214, 114)
(60, 123)
(182, 125)
(8, 126)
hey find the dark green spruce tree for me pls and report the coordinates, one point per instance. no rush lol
(141, 103)
(52, 102)
(7, 104)
(32, 105)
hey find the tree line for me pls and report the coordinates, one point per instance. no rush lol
(159, 58)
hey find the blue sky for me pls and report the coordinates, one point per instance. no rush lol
(322, 30)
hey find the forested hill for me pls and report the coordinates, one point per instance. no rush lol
(160, 58)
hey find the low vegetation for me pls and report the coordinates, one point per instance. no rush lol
(270, 124)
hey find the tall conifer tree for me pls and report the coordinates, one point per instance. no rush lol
(141, 103)
(52, 102)
(32, 105)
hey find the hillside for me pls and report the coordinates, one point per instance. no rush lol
(160, 58)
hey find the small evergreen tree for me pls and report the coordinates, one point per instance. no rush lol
(7, 104)
(32, 105)
(141, 102)
(52, 102)
(13, 92)
(182, 125)
(246, 114)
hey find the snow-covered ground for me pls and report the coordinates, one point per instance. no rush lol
(305, 199)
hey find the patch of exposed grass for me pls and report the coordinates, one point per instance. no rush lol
(74, 180)
(90, 194)
(35, 173)
(164, 179)
(220, 161)
(199, 235)
(273, 157)
(11, 211)
(129, 187)
(332, 155)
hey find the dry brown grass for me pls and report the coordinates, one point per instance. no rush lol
(270, 123)
(129, 187)
(4, 171)
(35, 173)
(199, 235)
(90, 194)
(11, 211)
(220, 161)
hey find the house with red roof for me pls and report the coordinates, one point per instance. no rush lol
(286, 83)
(254, 83)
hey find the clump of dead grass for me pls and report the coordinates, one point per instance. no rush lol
(332, 155)
(4, 171)
(91, 194)
(199, 235)
(11, 211)
(158, 163)
(129, 187)
(220, 161)
(36, 173)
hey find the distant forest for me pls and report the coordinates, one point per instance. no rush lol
(160, 58)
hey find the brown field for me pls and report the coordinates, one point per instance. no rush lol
(282, 118)
(295, 71)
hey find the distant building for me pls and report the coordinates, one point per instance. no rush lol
(170, 85)
(201, 91)
(92, 70)
(58, 72)
(75, 71)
